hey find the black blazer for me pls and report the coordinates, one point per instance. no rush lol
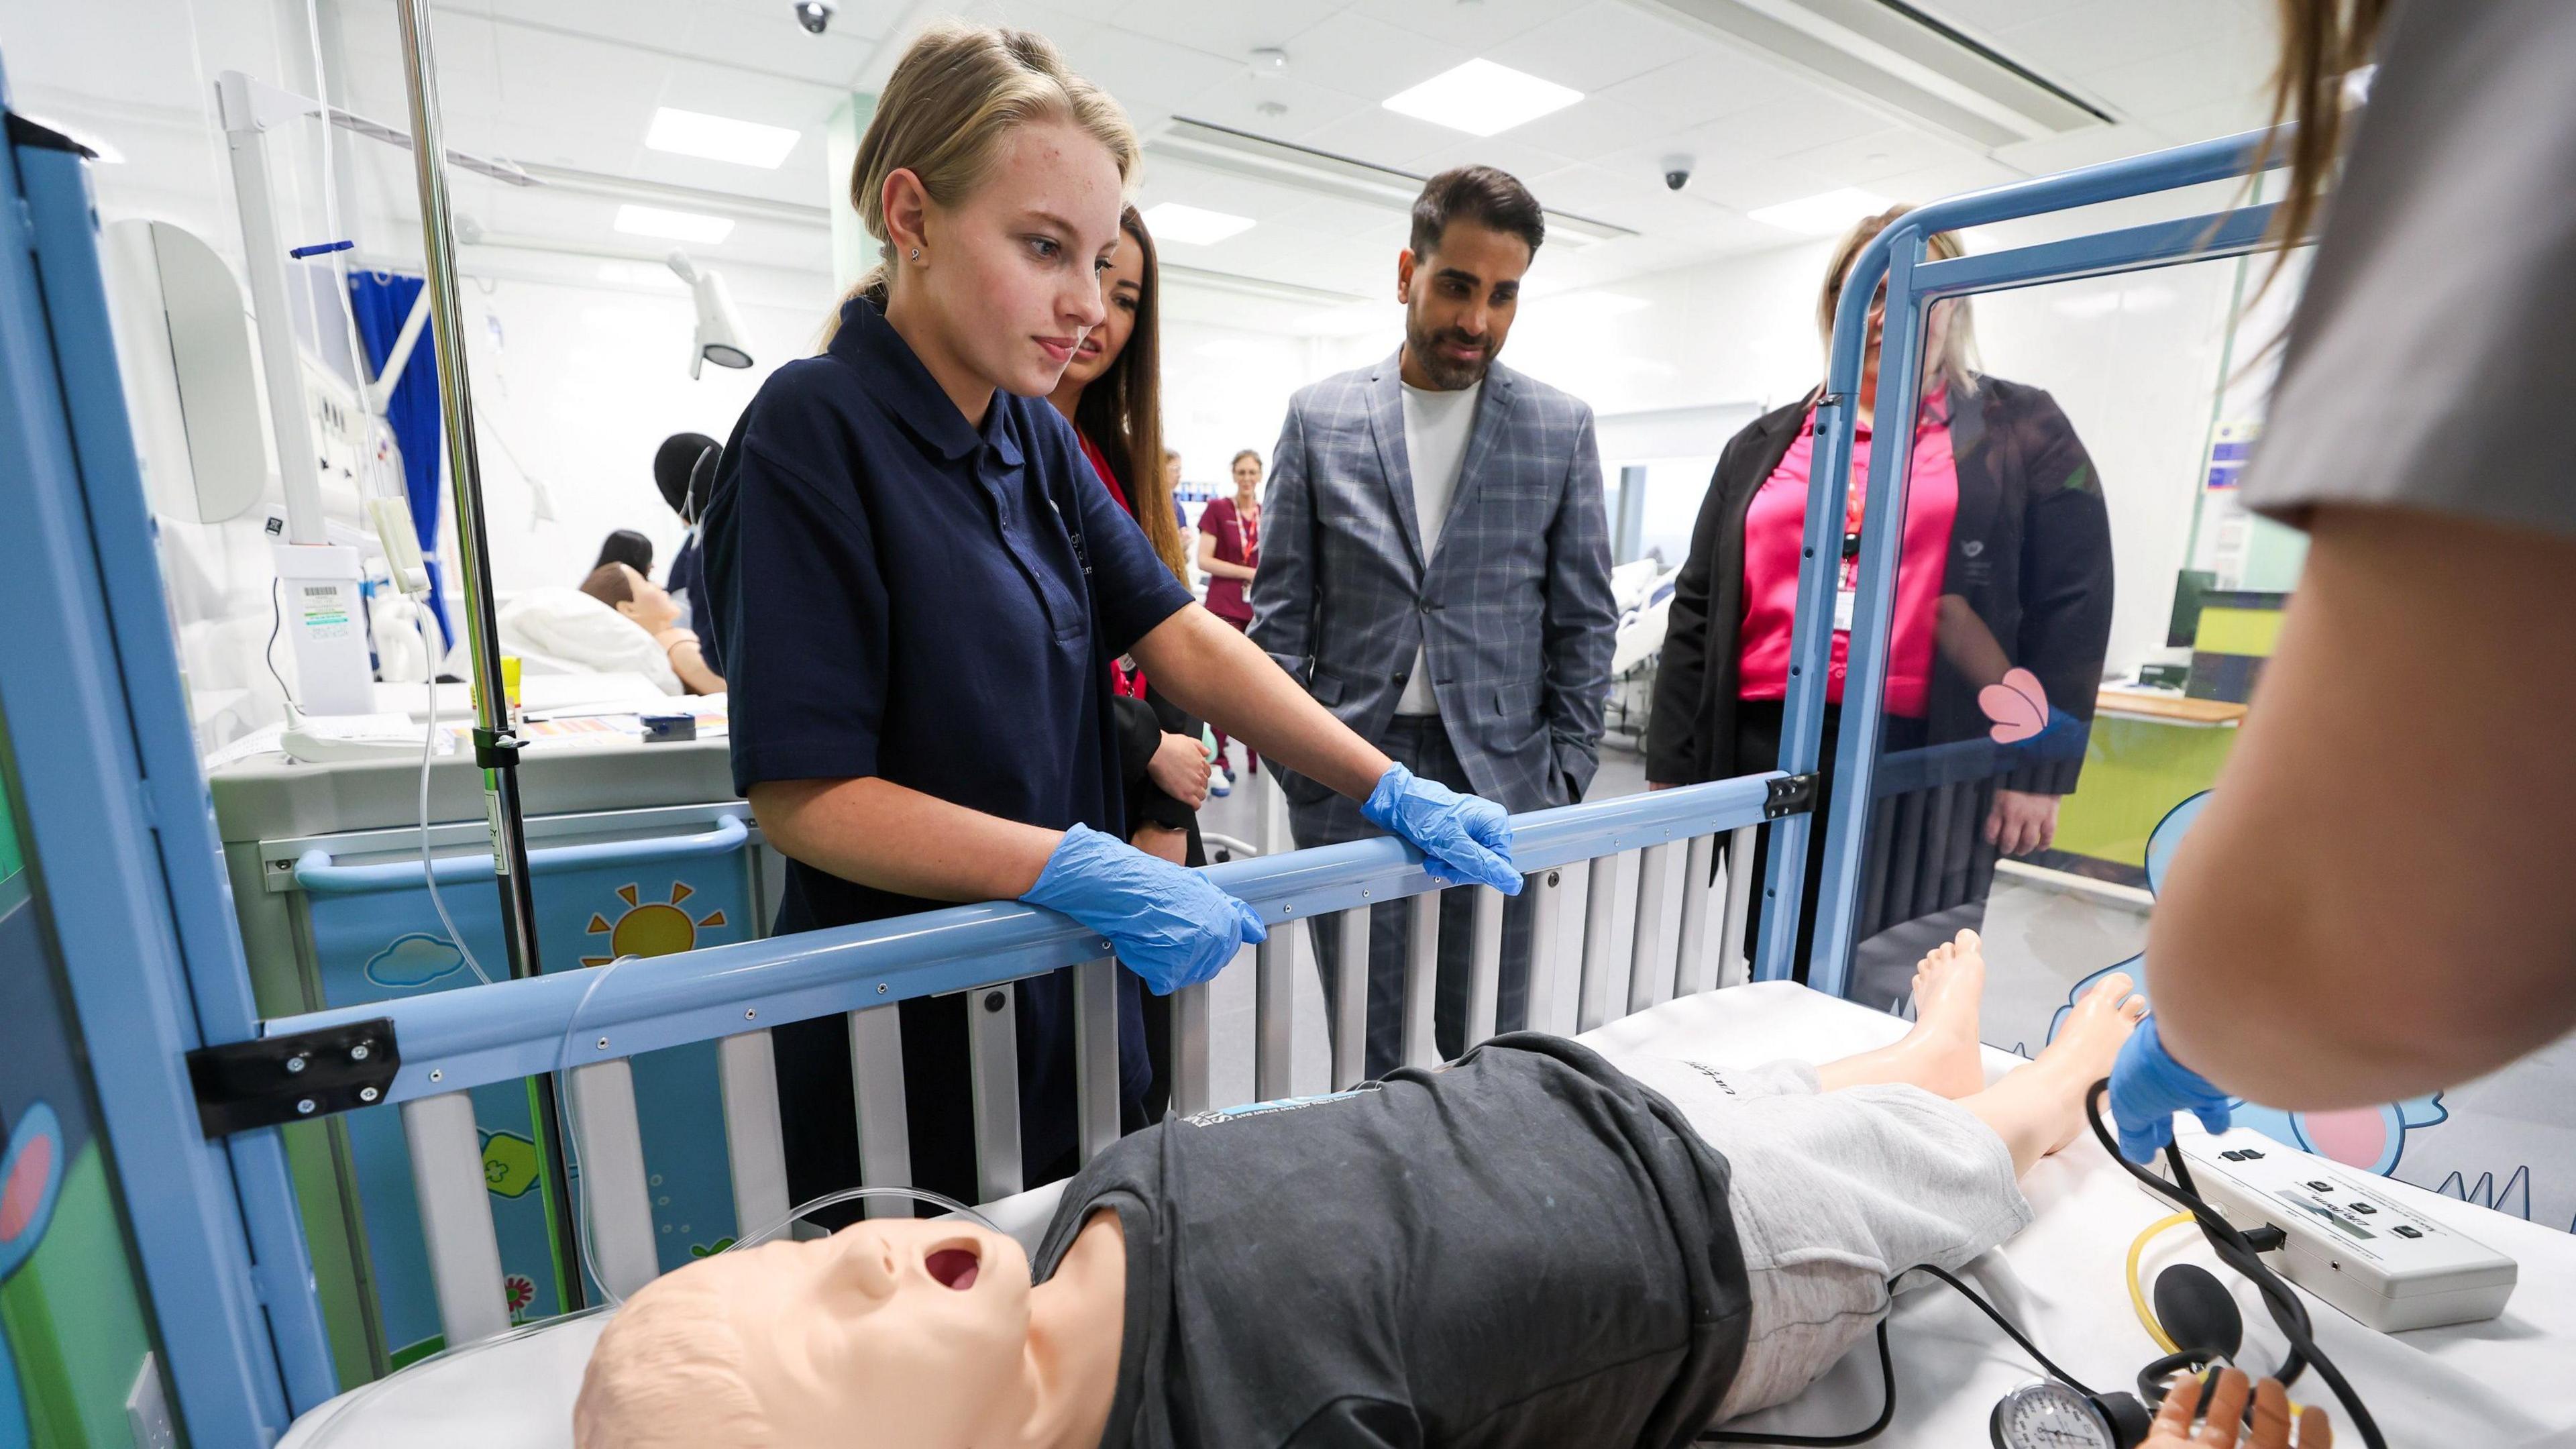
(2030, 554)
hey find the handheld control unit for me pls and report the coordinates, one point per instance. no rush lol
(2350, 1240)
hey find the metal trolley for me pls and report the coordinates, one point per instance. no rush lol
(144, 917)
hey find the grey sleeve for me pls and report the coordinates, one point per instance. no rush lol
(2432, 364)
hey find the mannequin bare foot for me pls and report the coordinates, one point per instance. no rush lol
(1940, 1053)
(2090, 1041)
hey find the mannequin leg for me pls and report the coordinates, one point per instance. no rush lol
(2039, 1109)
(1940, 1054)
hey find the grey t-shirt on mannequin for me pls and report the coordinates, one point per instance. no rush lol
(2432, 364)
(1525, 1249)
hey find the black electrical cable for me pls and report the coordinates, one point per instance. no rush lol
(2234, 1248)
(2289, 1313)
(268, 651)
(1886, 1413)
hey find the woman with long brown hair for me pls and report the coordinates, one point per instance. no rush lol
(2374, 903)
(1112, 393)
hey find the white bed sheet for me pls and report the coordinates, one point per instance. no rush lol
(2505, 1382)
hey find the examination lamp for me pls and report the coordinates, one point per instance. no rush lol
(720, 332)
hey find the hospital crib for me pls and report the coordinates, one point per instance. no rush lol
(591, 1025)
(192, 1083)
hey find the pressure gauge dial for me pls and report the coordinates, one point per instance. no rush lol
(2048, 1415)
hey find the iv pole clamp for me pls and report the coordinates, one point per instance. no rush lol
(496, 749)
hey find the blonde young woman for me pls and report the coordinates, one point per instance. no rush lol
(919, 586)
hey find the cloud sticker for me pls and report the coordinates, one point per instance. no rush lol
(413, 961)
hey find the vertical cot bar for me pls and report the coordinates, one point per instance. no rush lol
(1350, 1000)
(885, 1125)
(1882, 531)
(1485, 965)
(613, 1192)
(1095, 1053)
(993, 1071)
(1546, 912)
(748, 1076)
(1422, 980)
(1732, 968)
(1274, 1011)
(1649, 979)
(456, 1216)
(1594, 1006)
(1192, 1066)
(1692, 972)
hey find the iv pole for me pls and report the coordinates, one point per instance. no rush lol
(496, 749)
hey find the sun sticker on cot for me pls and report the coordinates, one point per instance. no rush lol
(2018, 707)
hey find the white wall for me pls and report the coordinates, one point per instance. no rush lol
(575, 386)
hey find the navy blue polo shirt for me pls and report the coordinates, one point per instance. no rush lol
(898, 594)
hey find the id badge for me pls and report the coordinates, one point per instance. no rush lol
(1846, 605)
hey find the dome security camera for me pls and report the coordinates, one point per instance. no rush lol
(1677, 172)
(816, 15)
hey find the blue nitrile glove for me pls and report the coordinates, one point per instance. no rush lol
(1466, 837)
(2148, 1087)
(1168, 924)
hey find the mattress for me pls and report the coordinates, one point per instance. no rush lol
(2499, 1383)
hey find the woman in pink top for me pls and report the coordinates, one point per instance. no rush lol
(2005, 563)
(1229, 552)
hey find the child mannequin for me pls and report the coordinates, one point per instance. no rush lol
(1531, 1246)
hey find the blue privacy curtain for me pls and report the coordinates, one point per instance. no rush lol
(381, 301)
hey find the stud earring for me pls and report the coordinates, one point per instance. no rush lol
(916, 254)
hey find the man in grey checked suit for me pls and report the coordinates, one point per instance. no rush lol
(1435, 567)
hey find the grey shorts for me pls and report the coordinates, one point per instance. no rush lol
(1833, 1194)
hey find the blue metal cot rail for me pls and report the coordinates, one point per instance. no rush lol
(120, 820)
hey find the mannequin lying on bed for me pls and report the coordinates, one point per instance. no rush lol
(1531, 1246)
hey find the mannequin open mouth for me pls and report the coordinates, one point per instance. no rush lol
(953, 1267)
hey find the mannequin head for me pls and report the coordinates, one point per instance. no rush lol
(630, 593)
(918, 1330)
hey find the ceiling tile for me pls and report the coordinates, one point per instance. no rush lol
(1378, 135)
(1717, 82)
(1145, 73)
(732, 38)
(1475, 25)
(1992, 17)
(1505, 152)
(1599, 45)
(1877, 155)
(2070, 41)
(1368, 57)
(1228, 31)
(1596, 127)
(1238, 101)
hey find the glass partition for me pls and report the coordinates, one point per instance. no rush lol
(2083, 613)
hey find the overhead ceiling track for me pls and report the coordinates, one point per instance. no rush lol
(1897, 58)
(1259, 287)
(636, 188)
(1223, 149)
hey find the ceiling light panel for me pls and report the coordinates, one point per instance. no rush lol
(1193, 226)
(1482, 98)
(719, 138)
(687, 226)
(1823, 214)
